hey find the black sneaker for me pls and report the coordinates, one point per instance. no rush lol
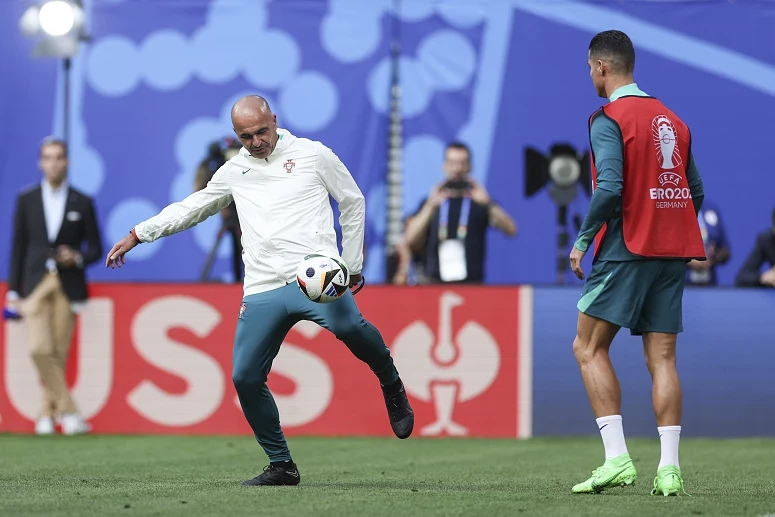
(273, 475)
(400, 411)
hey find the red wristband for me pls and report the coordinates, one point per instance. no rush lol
(134, 234)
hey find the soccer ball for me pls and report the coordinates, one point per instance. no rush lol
(323, 279)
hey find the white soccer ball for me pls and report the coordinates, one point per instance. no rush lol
(323, 279)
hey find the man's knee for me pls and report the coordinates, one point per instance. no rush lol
(659, 348)
(42, 352)
(593, 336)
(582, 350)
(348, 329)
(247, 379)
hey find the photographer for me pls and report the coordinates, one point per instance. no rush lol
(217, 154)
(450, 228)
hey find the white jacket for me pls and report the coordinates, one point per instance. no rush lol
(284, 210)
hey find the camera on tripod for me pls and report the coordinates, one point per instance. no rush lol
(218, 153)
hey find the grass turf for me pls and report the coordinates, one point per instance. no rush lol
(341, 477)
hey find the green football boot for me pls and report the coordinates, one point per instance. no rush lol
(618, 471)
(668, 481)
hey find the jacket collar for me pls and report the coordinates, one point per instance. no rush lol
(285, 139)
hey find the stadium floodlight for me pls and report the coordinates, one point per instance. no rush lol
(57, 18)
(60, 26)
(563, 169)
(59, 23)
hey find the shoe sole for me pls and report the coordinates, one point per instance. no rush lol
(407, 433)
(668, 493)
(295, 482)
(629, 481)
(272, 484)
(79, 432)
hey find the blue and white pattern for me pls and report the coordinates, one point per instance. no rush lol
(156, 84)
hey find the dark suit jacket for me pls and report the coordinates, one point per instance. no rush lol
(762, 253)
(31, 247)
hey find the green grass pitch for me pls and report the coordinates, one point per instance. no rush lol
(341, 477)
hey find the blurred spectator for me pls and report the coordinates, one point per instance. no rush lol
(703, 272)
(47, 281)
(450, 227)
(218, 154)
(750, 274)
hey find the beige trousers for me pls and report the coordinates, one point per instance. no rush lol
(49, 322)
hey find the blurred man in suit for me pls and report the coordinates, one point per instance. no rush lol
(763, 252)
(55, 237)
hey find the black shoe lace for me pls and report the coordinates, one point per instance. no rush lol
(397, 407)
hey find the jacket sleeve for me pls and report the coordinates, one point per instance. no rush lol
(352, 205)
(18, 247)
(93, 251)
(748, 276)
(191, 211)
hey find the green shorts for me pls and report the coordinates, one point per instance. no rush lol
(641, 295)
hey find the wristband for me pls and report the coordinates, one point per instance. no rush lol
(359, 286)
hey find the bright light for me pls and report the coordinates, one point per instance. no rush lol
(564, 170)
(57, 18)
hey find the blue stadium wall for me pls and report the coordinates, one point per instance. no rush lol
(726, 358)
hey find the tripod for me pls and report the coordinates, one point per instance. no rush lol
(236, 234)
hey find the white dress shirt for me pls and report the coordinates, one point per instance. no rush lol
(284, 210)
(54, 201)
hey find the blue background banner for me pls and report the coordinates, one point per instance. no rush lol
(155, 85)
(725, 360)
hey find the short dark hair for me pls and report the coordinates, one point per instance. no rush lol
(458, 145)
(50, 140)
(616, 48)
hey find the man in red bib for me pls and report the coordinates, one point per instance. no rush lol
(643, 220)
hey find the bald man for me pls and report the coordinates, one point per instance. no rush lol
(281, 186)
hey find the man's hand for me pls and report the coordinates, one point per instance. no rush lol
(437, 196)
(478, 194)
(400, 278)
(576, 255)
(66, 256)
(768, 277)
(700, 264)
(116, 255)
(355, 279)
(14, 305)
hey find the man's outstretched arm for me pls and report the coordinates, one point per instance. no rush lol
(177, 217)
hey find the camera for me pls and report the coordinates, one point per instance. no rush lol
(457, 185)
